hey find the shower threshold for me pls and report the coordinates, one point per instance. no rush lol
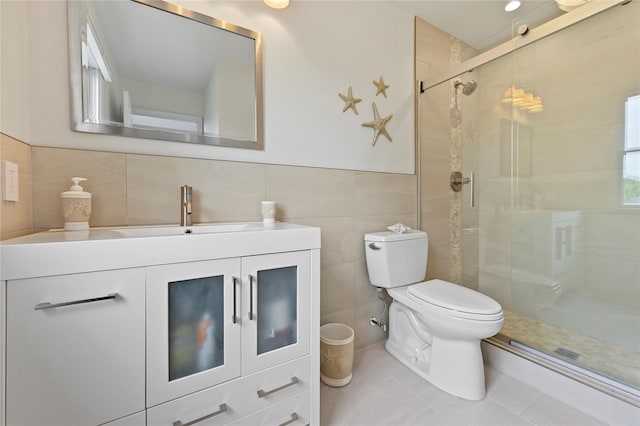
(622, 391)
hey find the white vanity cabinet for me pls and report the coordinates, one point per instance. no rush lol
(75, 348)
(276, 291)
(192, 339)
(211, 321)
(206, 329)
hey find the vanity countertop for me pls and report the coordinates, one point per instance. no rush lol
(57, 252)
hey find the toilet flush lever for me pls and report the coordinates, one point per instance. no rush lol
(375, 246)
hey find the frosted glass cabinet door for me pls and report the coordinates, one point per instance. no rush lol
(193, 335)
(276, 309)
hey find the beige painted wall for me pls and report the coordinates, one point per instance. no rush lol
(313, 51)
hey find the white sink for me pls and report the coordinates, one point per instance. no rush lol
(167, 231)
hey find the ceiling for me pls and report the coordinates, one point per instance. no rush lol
(480, 23)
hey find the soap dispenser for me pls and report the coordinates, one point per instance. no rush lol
(76, 207)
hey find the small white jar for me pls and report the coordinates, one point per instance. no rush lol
(268, 211)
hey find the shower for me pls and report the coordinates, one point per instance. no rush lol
(558, 247)
(467, 88)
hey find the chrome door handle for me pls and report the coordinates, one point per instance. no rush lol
(456, 180)
(294, 418)
(251, 316)
(262, 394)
(235, 300)
(221, 409)
(49, 305)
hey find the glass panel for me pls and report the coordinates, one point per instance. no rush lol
(631, 175)
(196, 325)
(544, 132)
(277, 308)
(632, 123)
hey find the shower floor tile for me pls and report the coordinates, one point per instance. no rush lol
(619, 363)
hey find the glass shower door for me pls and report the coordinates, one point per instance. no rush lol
(575, 228)
(555, 233)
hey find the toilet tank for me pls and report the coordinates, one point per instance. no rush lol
(394, 260)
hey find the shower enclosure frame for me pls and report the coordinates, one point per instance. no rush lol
(506, 48)
(531, 36)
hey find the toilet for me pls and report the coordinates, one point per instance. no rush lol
(435, 327)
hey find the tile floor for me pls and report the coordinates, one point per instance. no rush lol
(385, 392)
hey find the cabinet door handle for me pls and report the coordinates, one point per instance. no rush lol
(235, 301)
(221, 409)
(262, 394)
(294, 418)
(251, 315)
(49, 305)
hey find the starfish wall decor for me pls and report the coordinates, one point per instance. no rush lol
(378, 125)
(349, 101)
(381, 87)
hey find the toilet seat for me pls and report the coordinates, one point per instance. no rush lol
(456, 300)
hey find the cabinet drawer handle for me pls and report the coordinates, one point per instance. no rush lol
(221, 409)
(262, 394)
(251, 315)
(294, 418)
(235, 301)
(49, 305)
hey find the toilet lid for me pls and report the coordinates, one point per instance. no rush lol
(454, 297)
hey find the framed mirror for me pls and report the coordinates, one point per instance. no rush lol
(150, 69)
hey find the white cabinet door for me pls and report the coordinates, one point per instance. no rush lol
(193, 327)
(276, 303)
(75, 348)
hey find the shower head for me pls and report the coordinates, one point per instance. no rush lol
(467, 88)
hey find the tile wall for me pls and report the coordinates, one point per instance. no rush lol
(144, 190)
(439, 150)
(16, 217)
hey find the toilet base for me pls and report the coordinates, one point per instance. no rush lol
(455, 366)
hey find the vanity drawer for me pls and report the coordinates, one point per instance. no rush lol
(75, 352)
(235, 399)
(294, 411)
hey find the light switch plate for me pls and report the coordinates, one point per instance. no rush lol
(9, 181)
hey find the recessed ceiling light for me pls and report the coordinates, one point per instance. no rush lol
(512, 5)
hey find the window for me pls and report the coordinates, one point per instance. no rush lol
(97, 72)
(631, 153)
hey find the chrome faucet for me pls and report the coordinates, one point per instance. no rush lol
(185, 205)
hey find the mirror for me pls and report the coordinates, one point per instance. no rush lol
(150, 69)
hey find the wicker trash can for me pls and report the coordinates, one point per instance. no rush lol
(336, 354)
